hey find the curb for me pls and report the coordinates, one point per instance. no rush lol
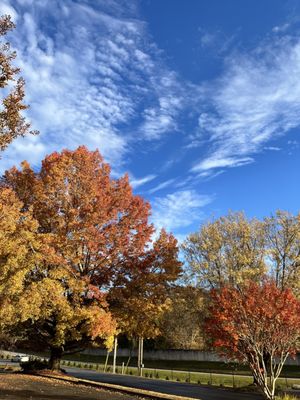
(118, 388)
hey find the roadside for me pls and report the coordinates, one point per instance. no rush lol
(136, 385)
(172, 388)
(181, 368)
(15, 386)
(211, 379)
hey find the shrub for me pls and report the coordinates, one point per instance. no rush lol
(34, 365)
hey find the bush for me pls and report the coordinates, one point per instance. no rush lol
(178, 379)
(34, 365)
(167, 378)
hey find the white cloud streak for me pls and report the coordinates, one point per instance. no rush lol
(255, 101)
(161, 186)
(91, 70)
(137, 182)
(179, 209)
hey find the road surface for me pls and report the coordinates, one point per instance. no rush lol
(156, 385)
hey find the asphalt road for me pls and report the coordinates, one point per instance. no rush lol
(9, 363)
(155, 385)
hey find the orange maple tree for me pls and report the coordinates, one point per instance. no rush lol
(12, 123)
(94, 224)
(258, 324)
(139, 300)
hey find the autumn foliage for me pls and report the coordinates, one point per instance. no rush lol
(139, 301)
(12, 123)
(228, 250)
(93, 239)
(258, 324)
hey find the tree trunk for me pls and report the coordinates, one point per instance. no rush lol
(140, 356)
(115, 354)
(55, 358)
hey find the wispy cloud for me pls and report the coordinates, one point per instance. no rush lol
(91, 72)
(161, 186)
(272, 148)
(161, 116)
(137, 182)
(281, 28)
(179, 209)
(256, 100)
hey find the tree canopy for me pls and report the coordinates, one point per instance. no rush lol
(258, 324)
(94, 241)
(228, 250)
(12, 123)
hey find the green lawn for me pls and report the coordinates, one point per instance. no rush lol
(212, 373)
(226, 379)
(292, 371)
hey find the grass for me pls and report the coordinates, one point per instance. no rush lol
(202, 378)
(199, 372)
(290, 371)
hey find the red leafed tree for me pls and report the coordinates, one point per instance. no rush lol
(139, 300)
(258, 324)
(94, 224)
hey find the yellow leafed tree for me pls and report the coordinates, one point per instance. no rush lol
(229, 250)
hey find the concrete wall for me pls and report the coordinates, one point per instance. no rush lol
(177, 355)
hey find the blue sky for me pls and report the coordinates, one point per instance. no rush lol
(199, 101)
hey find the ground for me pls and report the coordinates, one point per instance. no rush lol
(16, 386)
